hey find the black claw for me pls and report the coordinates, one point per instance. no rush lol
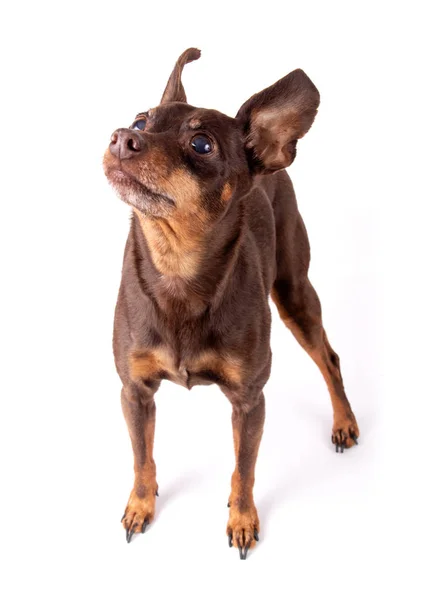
(124, 515)
(229, 505)
(129, 534)
(256, 535)
(230, 540)
(337, 447)
(157, 492)
(244, 551)
(354, 437)
(342, 447)
(247, 547)
(144, 526)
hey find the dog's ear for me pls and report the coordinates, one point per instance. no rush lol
(174, 91)
(274, 119)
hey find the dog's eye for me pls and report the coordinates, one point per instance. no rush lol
(201, 144)
(139, 124)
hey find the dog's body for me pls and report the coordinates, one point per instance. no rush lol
(212, 236)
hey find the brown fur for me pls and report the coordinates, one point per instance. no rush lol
(213, 236)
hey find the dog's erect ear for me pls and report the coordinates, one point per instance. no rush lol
(174, 91)
(274, 119)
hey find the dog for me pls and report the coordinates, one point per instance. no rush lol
(215, 230)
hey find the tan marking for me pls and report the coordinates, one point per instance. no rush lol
(148, 364)
(195, 123)
(176, 243)
(154, 168)
(343, 427)
(226, 192)
(172, 254)
(242, 524)
(185, 189)
(227, 367)
(139, 509)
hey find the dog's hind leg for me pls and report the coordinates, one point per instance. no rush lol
(299, 307)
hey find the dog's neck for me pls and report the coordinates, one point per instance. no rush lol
(175, 247)
(187, 266)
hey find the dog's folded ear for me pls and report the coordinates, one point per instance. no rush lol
(174, 91)
(275, 118)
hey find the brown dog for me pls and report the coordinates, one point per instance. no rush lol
(216, 230)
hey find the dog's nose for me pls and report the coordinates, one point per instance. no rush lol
(126, 143)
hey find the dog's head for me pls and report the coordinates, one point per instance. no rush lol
(176, 159)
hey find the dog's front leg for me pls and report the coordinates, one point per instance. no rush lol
(247, 423)
(139, 410)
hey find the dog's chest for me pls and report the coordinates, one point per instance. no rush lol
(204, 369)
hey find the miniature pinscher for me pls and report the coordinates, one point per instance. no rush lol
(215, 231)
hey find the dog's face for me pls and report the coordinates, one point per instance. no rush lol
(177, 158)
(178, 161)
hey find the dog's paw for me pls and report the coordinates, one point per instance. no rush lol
(345, 432)
(243, 529)
(138, 514)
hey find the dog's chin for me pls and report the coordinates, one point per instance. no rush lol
(138, 195)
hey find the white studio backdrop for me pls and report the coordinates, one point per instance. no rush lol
(331, 524)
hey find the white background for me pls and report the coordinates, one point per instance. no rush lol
(332, 525)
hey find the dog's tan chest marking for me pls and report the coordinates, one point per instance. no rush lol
(172, 254)
(208, 367)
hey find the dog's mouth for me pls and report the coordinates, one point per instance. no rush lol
(134, 192)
